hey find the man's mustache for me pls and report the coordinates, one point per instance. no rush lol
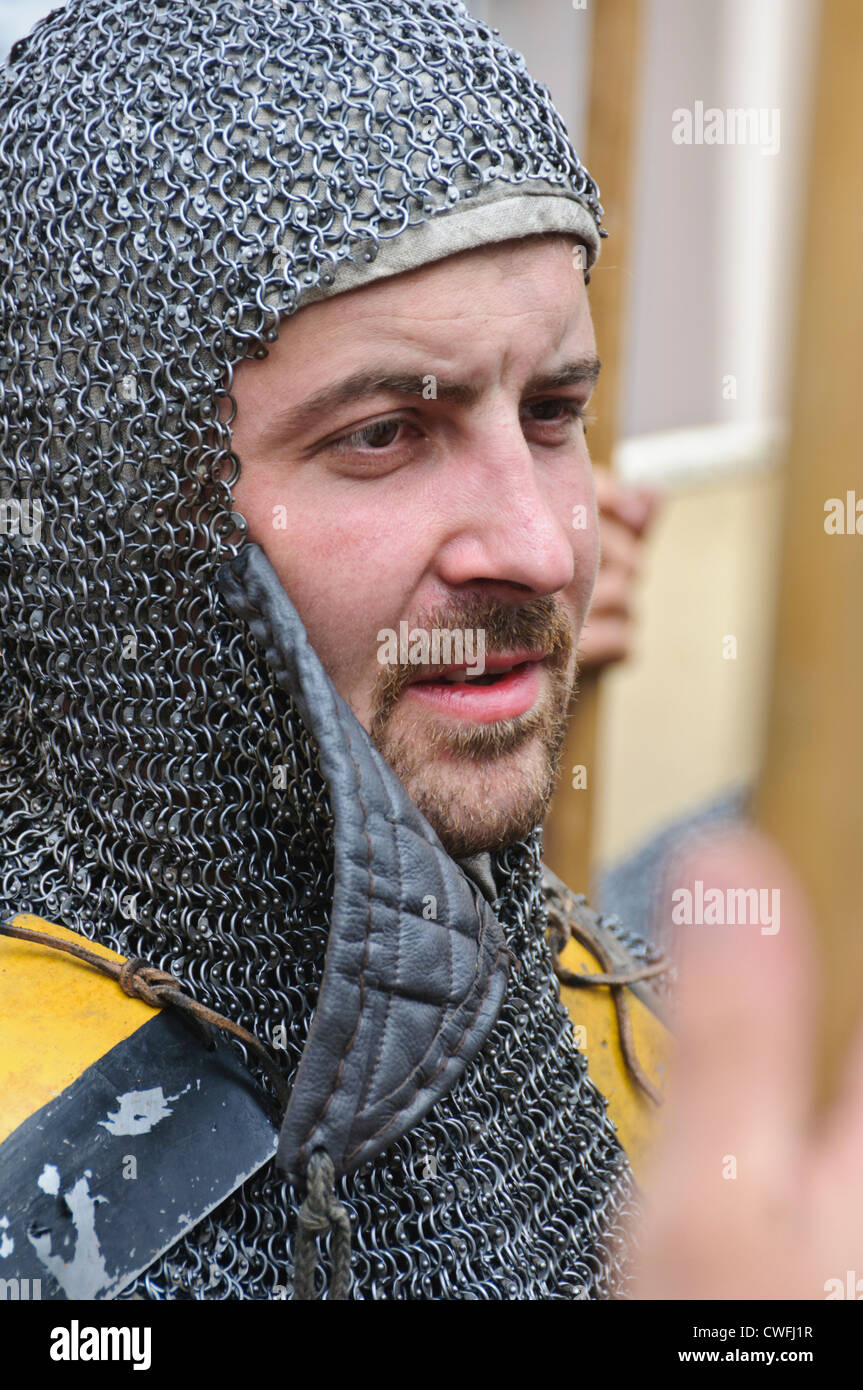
(539, 625)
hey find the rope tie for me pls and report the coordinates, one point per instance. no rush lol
(321, 1212)
(140, 980)
(561, 928)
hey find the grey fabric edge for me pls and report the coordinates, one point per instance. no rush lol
(484, 222)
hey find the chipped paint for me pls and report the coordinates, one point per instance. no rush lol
(7, 1243)
(85, 1275)
(49, 1180)
(140, 1111)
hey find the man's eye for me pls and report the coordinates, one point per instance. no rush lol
(377, 436)
(556, 410)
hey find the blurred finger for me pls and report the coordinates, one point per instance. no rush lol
(619, 547)
(632, 507)
(743, 1078)
(612, 596)
(605, 641)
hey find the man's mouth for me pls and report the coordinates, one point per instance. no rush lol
(508, 687)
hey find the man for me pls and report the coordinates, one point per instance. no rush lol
(293, 310)
(182, 778)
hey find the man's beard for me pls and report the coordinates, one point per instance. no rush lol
(470, 782)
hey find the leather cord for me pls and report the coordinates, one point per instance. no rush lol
(561, 928)
(140, 980)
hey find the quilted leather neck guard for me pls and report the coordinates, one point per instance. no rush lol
(405, 1002)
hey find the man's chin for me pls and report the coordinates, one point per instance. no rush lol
(475, 804)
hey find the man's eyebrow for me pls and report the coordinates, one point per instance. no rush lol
(364, 385)
(583, 369)
(359, 387)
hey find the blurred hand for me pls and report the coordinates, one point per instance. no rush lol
(740, 1101)
(624, 516)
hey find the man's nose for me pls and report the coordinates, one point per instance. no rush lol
(509, 516)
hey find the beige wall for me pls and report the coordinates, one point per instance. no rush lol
(679, 721)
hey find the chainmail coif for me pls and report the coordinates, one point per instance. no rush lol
(174, 178)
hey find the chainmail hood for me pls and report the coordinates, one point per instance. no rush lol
(177, 176)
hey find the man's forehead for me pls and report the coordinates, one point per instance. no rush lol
(524, 276)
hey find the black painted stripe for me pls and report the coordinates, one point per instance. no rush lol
(96, 1184)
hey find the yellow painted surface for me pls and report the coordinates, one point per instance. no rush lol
(592, 1010)
(58, 1015)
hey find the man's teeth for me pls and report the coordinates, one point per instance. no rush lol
(486, 678)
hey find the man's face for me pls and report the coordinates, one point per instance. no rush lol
(412, 453)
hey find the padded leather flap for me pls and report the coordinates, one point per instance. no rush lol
(405, 1002)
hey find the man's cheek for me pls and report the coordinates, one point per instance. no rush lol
(347, 647)
(579, 593)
